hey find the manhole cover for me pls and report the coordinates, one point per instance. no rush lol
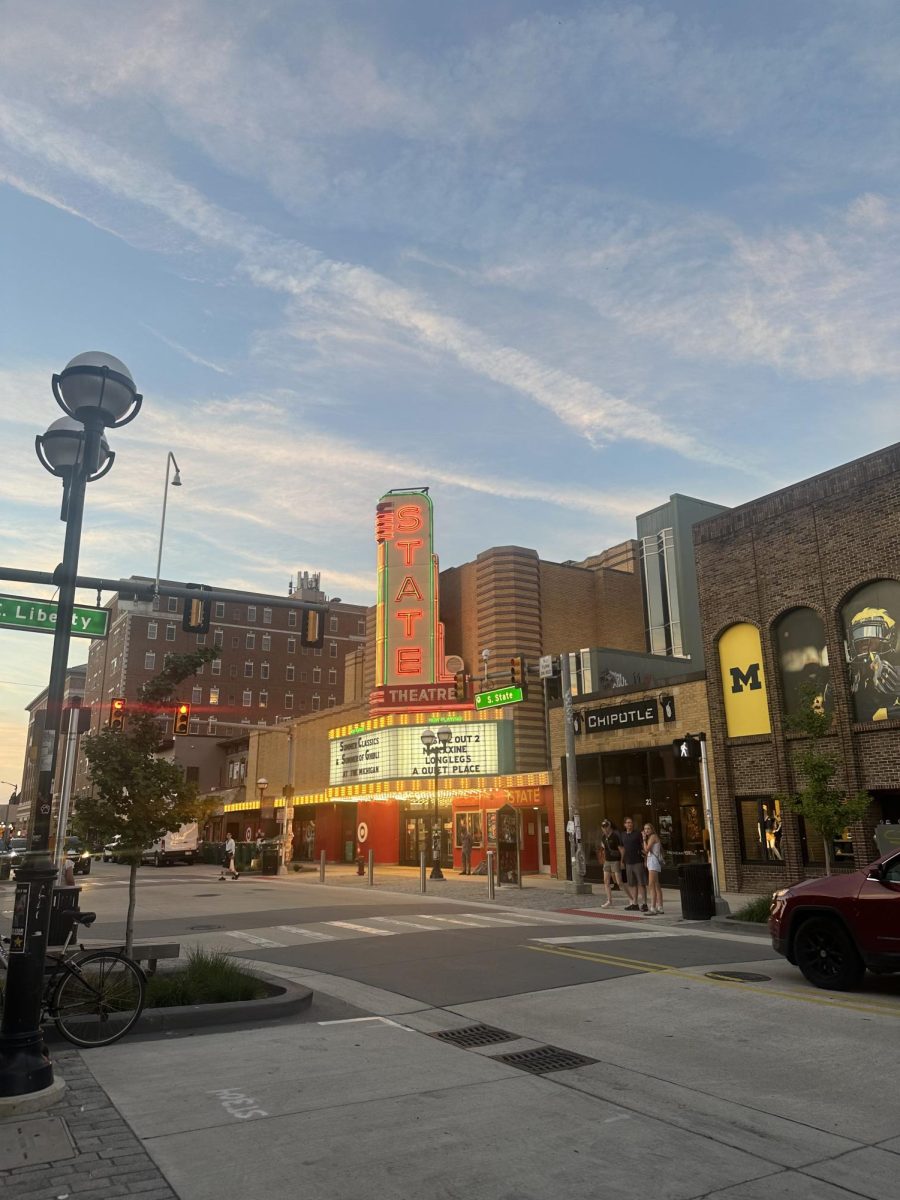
(543, 1059)
(738, 976)
(474, 1035)
(203, 928)
(27, 1143)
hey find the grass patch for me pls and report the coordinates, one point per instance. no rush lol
(756, 911)
(208, 978)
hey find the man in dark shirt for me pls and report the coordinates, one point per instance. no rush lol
(635, 869)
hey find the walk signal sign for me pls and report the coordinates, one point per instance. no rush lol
(687, 747)
(182, 719)
(117, 714)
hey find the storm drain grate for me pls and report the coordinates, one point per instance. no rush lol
(201, 895)
(738, 976)
(474, 1035)
(543, 1059)
(203, 928)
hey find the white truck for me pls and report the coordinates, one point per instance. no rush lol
(181, 846)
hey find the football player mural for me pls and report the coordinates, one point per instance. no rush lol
(871, 630)
(803, 660)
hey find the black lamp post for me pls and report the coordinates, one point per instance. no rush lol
(96, 392)
(434, 744)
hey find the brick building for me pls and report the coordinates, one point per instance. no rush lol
(73, 694)
(800, 603)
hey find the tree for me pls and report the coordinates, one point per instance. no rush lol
(825, 808)
(135, 793)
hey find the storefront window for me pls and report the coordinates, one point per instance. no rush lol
(759, 821)
(472, 820)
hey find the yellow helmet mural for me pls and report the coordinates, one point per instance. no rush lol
(872, 629)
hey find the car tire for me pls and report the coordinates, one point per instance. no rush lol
(86, 869)
(158, 860)
(825, 953)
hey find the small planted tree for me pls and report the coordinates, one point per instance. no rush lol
(825, 808)
(135, 793)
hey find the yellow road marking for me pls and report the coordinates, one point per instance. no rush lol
(611, 960)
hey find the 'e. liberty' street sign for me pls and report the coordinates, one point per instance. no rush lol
(39, 616)
(493, 699)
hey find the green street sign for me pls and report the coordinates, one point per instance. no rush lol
(498, 696)
(39, 616)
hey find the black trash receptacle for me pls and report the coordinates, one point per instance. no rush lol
(271, 855)
(63, 906)
(698, 901)
(4, 868)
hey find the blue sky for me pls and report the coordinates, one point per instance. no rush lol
(555, 260)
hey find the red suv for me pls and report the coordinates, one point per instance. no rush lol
(833, 929)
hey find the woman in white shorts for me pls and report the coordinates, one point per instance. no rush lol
(653, 853)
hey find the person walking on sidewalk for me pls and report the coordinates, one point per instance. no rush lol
(655, 858)
(635, 870)
(465, 845)
(611, 847)
(228, 859)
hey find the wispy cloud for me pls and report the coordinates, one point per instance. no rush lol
(183, 350)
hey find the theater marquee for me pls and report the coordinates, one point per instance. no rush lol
(369, 755)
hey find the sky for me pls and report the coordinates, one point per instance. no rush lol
(553, 260)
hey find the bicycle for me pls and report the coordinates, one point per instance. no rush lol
(94, 997)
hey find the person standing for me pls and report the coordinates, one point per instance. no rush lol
(655, 857)
(228, 859)
(611, 847)
(635, 870)
(465, 845)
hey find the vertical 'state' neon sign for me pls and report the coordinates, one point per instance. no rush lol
(407, 618)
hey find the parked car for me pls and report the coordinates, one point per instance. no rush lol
(14, 854)
(111, 849)
(78, 855)
(181, 846)
(835, 929)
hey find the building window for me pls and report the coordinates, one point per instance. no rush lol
(316, 702)
(247, 700)
(218, 638)
(149, 660)
(220, 610)
(235, 641)
(213, 696)
(236, 614)
(332, 624)
(170, 633)
(263, 699)
(201, 639)
(289, 674)
(267, 616)
(661, 601)
(317, 653)
(332, 675)
(250, 641)
(232, 671)
(200, 669)
(304, 676)
(156, 603)
(267, 641)
(264, 670)
(196, 695)
(292, 618)
(248, 670)
(173, 604)
(759, 821)
(332, 649)
(292, 646)
(152, 630)
(317, 674)
(331, 702)
(213, 726)
(216, 668)
(304, 649)
(288, 699)
(361, 627)
(251, 612)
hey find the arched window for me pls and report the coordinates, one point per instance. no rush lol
(802, 657)
(871, 621)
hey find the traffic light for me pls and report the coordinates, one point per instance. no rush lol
(312, 628)
(196, 613)
(687, 747)
(182, 719)
(517, 673)
(117, 714)
(460, 681)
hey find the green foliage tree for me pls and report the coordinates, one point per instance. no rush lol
(135, 793)
(825, 808)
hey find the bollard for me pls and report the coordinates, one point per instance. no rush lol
(490, 874)
(322, 867)
(422, 872)
(371, 868)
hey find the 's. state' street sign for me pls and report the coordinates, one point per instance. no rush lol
(39, 616)
(493, 699)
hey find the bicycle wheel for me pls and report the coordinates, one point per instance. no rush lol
(98, 999)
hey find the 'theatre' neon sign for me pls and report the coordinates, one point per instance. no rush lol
(409, 639)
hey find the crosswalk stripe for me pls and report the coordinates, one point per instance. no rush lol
(363, 928)
(311, 933)
(408, 924)
(449, 920)
(251, 937)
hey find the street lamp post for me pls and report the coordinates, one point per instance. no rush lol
(176, 482)
(96, 392)
(434, 744)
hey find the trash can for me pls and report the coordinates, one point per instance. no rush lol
(63, 906)
(698, 901)
(270, 857)
(4, 868)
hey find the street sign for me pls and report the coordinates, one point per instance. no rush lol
(545, 666)
(39, 616)
(498, 696)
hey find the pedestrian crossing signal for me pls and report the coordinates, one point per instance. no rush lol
(182, 719)
(687, 747)
(117, 714)
(312, 628)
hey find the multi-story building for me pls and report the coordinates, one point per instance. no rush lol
(263, 675)
(73, 693)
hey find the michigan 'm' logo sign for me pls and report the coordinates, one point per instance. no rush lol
(743, 681)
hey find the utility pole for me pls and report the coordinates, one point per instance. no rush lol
(573, 825)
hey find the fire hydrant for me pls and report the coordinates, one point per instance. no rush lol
(360, 861)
